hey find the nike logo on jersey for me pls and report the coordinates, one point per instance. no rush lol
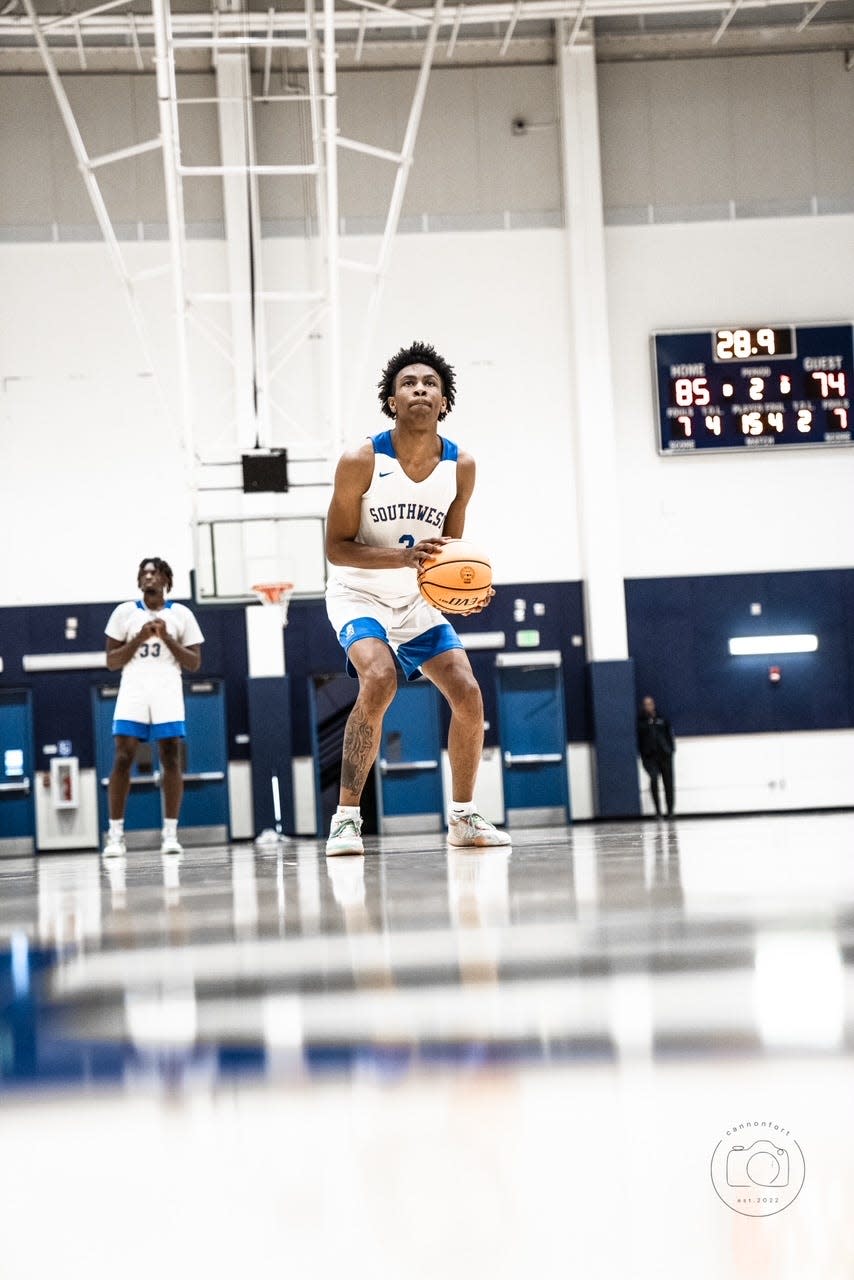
(383, 474)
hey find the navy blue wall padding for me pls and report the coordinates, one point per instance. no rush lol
(678, 634)
(678, 631)
(269, 700)
(62, 705)
(612, 695)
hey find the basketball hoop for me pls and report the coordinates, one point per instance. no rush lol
(275, 593)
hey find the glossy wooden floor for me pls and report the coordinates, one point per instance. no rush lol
(433, 1062)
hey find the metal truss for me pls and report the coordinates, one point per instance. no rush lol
(243, 44)
(258, 421)
(316, 38)
(369, 33)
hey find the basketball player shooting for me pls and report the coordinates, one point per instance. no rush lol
(150, 641)
(396, 500)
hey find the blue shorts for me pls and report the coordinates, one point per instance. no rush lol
(149, 732)
(414, 631)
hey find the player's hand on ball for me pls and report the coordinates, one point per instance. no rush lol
(479, 608)
(426, 549)
(457, 579)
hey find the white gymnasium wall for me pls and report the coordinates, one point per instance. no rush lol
(92, 462)
(734, 513)
(92, 472)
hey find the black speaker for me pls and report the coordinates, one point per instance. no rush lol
(265, 472)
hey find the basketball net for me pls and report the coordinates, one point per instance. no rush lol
(275, 593)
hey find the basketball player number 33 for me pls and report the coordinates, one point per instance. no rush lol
(150, 650)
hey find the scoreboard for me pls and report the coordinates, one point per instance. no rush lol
(757, 387)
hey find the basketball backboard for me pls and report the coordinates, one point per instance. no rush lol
(233, 553)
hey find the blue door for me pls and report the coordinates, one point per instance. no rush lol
(143, 813)
(205, 805)
(17, 817)
(204, 811)
(410, 762)
(532, 733)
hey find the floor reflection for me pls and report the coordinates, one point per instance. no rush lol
(626, 943)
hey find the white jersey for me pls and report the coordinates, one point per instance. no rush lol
(398, 512)
(152, 664)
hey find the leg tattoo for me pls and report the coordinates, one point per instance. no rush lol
(360, 749)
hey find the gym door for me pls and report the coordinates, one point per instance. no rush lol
(532, 733)
(410, 762)
(143, 813)
(17, 817)
(204, 811)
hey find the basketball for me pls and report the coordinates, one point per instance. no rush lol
(458, 579)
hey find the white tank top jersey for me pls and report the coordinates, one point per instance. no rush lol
(398, 512)
(152, 661)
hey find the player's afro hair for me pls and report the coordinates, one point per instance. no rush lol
(160, 565)
(417, 353)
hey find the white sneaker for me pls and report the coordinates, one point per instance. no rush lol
(345, 836)
(472, 831)
(170, 844)
(115, 847)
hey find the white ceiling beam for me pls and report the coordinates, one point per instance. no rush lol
(164, 67)
(194, 30)
(808, 17)
(511, 27)
(94, 192)
(235, 121)
(727, 19)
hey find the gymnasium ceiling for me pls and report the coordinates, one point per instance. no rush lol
(118, 38)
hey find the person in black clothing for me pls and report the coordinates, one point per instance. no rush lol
(656, 747)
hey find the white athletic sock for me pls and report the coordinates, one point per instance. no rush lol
(348, 811)
(170, 828)
(461, 809)
(117, 827)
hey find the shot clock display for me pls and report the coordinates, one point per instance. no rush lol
(760, 386)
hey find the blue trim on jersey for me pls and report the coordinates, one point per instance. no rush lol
(140, 605)
(413, 654)
(150, 732)
(383, 445)
(167, 604)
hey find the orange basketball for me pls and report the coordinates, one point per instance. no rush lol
(458, 579)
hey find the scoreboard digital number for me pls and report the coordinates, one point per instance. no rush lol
(772, 385)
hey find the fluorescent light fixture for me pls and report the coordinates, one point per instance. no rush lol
(483, 639)
(64, 661)
(529, 658)
(741, 645)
